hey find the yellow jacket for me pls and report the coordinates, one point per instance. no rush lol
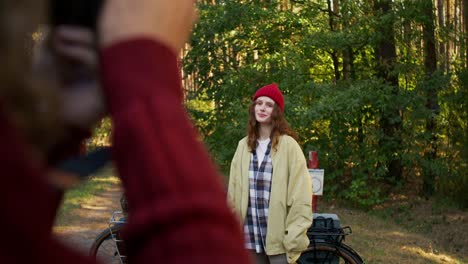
(290, 210)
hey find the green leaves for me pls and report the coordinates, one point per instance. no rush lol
(324, 60)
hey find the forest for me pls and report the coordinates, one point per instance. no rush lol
(378, 88)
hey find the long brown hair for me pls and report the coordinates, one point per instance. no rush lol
(279, 127)
(20, 94)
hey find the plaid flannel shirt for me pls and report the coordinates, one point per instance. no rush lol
(255, 226)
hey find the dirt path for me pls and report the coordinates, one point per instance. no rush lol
(81, 225)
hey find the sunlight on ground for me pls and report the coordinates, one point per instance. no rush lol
(428, 253)
(70, 228)
(397, 234)
(416, 247)
(438, 258)
(379, 241)
(109, 179)
(95, 207)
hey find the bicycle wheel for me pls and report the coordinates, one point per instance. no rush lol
(108, 246)
(329, 253)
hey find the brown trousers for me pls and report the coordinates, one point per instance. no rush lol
(262, 258)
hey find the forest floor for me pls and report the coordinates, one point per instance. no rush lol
(410, 230)
(407, 230)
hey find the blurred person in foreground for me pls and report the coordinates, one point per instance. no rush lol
(177, 207)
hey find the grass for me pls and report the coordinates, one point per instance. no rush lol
(95, 184)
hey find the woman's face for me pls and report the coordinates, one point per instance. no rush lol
(263, 109)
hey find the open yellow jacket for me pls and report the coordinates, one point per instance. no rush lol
(290, 210)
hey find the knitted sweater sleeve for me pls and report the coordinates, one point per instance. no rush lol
(178, 211)
(28, 205)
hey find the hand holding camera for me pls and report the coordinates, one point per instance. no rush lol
(168, 21)
(66, 62)
(114, 20)
(78, 26)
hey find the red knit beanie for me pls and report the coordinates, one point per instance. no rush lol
(272, 91)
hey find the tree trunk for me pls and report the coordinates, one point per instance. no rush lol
(331, 21)
(347, 62)
(390, 121)
(442, 48)
(450, 43)
(465, 29)
(432, 104)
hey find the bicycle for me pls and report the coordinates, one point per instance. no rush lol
(109, 246)
(325, 235)
(326, 243)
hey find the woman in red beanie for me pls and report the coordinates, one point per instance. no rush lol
(269, 184)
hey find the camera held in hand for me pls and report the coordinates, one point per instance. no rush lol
(75, 12)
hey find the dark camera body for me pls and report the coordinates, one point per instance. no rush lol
(74, 12)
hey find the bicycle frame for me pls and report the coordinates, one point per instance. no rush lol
(118, 218)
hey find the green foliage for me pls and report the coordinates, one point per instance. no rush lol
(344, 121)
(101, 134)
(454, 132)
(360, 193)
(239, 46)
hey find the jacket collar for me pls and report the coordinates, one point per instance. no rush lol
(246, 158)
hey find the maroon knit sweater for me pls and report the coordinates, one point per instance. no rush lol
(178, 211)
